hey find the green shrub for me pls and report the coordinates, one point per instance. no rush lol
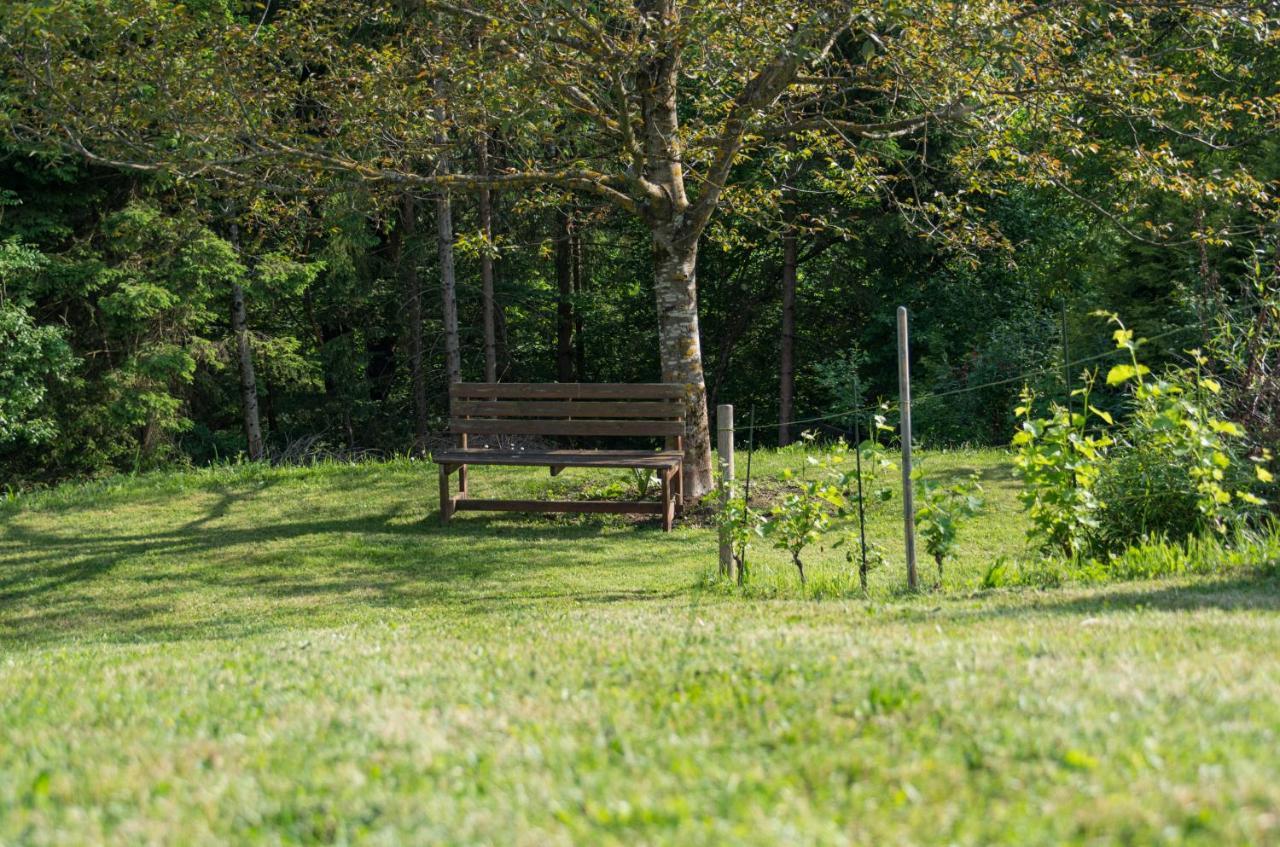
(1174, 468)
(1144, 494)
(1059, 461)
(1248, 551)
(1177, 422)
(740, 525)
(823, 503)
(940, 510)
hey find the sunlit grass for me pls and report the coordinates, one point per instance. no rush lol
(306, 655)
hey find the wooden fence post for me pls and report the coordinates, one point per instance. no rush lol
(908, 495)
(724, 450)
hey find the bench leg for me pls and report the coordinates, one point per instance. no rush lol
(668, 501)
(679, 488)
(462, 480)
(446, 502)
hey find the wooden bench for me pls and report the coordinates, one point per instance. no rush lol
(601, 410)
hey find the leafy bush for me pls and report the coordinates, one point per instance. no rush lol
(1059, 461)
(800, 520)
(740, 525)
(1245, 346)
(1177, 421)
(940, 509)
(31, 357)
(823, 502)
(1174, 468)
(1256, 551)
(1145, 495)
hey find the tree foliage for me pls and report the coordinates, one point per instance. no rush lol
(1001, 168)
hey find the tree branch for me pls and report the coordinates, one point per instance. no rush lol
(759, 93)
(872, 131)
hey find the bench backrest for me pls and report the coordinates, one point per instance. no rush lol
(652, 409)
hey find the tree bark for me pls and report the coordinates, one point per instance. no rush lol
(413, 321)
(579, 283)
(786, 357)
(444, 238)
(675, 239)
(273, 422)
(564, 296)
(448, 288)
(244, 355)
(486, 268)
(680, 348)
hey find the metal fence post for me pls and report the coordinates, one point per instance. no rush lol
(724, 450)
(908, 495)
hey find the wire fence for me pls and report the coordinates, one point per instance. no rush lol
(852, 416)
(967, 389)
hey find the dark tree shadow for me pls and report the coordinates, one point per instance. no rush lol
(75, 583)
(1001, 473)
(1251, 591)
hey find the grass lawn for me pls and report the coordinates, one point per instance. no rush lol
(306, 655)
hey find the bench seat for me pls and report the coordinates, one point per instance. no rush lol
(562, 458)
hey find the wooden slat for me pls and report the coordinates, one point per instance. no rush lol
(560, 458)
(509, 426)
(585, 506)
(566, 409)
(568, 390)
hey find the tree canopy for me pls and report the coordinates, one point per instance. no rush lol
(1006, 158)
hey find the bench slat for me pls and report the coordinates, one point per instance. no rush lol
(565, 458)
(511, 426)
(566, 409)
(567, 391)
(644, 507)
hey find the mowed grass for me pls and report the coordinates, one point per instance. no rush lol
(307, 656)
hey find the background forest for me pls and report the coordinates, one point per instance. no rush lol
(130, 299)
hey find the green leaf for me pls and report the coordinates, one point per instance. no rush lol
(1121, 374)
(1226, 428)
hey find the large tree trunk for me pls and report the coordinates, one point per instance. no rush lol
(786, 358)
(675, 241)
(486, 269)
(413, 321)
(680, 349)
(564, 296)
(248, 382)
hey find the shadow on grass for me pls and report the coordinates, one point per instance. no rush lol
(1001, 473)
(1250, 591)
(58, 584)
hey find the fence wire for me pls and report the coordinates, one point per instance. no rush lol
(936, 395)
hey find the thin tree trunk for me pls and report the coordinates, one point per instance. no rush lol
(564, 296)
(444, 236)
(486, 269)
(248, 382)
(786, 358)
(326, 333)
(579, 287)
(504, 342)
(448, 288)
(273, 423)
(680, 349)
(413, 320)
